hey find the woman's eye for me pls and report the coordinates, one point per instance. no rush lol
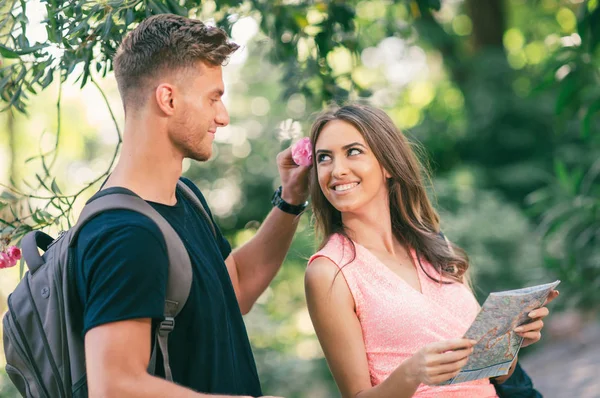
(322, 158)
(354, 151)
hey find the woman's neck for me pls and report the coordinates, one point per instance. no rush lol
(371, 228)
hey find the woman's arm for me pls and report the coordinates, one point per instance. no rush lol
(332, 311)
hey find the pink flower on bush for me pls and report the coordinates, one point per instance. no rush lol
(302, 152)
(10, 257)
(14, 252)
(6, 261)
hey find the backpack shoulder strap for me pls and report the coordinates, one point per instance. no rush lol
(180, 268)
(191, 196)
(29, 244)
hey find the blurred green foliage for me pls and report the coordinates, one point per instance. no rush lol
(503, 95)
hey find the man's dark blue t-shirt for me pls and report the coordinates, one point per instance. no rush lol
(121, 274)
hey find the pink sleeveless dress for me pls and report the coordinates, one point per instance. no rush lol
(397, 320)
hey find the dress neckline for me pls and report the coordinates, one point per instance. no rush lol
(386, 269)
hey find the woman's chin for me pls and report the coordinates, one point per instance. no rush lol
(346, 207)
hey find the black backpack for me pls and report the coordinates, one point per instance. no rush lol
(44, 348)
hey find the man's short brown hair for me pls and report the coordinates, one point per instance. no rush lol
(162, 43)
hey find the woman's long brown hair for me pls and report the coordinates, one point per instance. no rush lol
(415, 223)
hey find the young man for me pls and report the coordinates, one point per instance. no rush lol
(169, 75)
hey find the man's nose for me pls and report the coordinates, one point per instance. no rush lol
(222, 116)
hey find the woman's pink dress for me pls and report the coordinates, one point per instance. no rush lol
(397, 320)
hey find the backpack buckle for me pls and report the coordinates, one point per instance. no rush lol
(167, 325)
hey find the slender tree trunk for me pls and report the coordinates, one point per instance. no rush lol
(489, 22)
(12, 145)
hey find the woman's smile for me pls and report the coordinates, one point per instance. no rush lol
(344, 188)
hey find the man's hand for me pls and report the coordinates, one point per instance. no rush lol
(294, 178)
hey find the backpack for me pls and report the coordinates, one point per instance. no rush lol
(43, 344)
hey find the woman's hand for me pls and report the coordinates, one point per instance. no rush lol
(531, 332)
(440, 361)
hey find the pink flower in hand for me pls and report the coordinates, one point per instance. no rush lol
(302, 152)
(14, 253)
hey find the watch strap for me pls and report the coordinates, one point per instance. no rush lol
(286, 207)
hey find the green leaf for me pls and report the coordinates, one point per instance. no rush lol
(301, 20)
(23, 41)
(129, 16)
(52, 34)
(40, 179)
(48, 78)
(21, 267)
(21, 18)
(176, 8)
(107, 26)
(7, 52)
(569, 88)
(86, 67)
(81, 26)
(6, 78)
(587, 119)
(47, 217)
(562, 174)
(35, 217)
(432, 4)
(54, 187)
(8, 196)
(7, 230)
(29, 159)
(157, 7)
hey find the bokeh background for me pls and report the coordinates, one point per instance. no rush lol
(501, 97)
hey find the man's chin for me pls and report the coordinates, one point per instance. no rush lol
(200, 157)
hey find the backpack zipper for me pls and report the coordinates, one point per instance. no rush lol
(60, 235)
(46, 345)
(8, 330)
(29, 355)
(9, 334)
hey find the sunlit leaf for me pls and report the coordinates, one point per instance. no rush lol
(8, 196)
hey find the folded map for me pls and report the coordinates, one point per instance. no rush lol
(497, 343)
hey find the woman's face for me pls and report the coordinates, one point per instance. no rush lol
(349, 175)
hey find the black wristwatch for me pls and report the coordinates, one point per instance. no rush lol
(285, 206)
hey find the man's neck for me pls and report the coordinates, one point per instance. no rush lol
(149, 165)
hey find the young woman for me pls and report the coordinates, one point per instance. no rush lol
(386, 292)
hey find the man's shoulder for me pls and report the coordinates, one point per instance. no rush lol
(118, 223)
(121, 242)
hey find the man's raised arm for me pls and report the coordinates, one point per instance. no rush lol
(254, 265)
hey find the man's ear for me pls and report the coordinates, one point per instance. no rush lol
(165, 98)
